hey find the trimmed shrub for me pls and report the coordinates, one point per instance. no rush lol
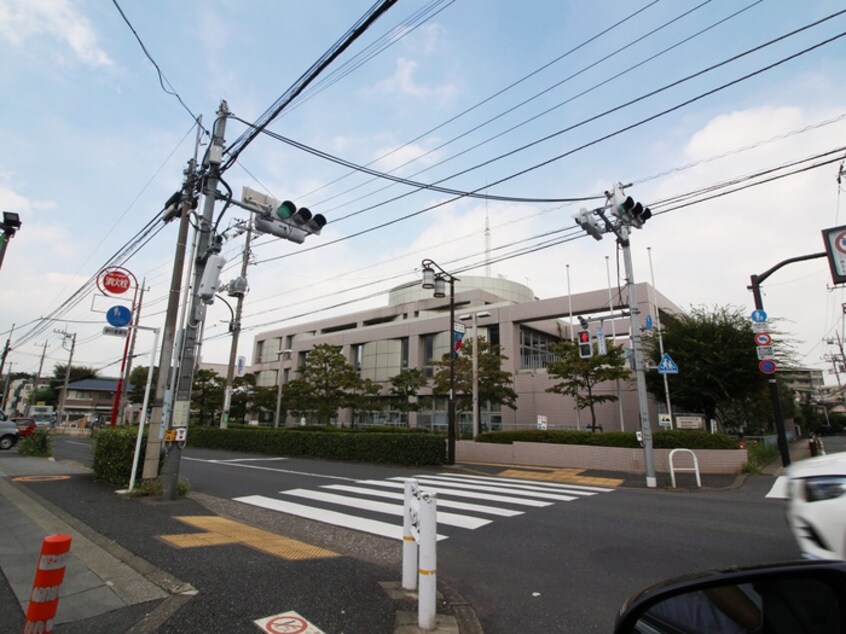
(39, 443)
(675, 439)
(114, 449)
(338, 444)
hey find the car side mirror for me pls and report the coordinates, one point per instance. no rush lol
(791, 598)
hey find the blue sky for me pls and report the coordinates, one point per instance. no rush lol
(93, 146)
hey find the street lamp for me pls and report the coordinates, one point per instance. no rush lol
(474, 317)
(281, 354)
(11, 223)
(436, 281)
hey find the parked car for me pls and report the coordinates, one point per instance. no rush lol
(8, 434)
(816, 511)
(25, 426)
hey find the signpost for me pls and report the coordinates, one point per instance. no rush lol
(667, 365)
(119, 316)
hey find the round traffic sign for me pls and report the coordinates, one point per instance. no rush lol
(767, 366)
(287, 624)
(759, 316)
(840, 242)
(119, 316)
(113, 281)
(763, 339)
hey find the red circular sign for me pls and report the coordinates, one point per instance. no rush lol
(763, 339)
(114, 281)
(287, 624)
(767, 366)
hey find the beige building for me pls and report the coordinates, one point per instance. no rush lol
(412, 331)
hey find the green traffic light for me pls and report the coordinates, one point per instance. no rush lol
(286, 210)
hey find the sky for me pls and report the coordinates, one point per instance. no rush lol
(686, 101)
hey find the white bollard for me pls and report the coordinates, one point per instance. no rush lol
(411, 510)
(428, 595)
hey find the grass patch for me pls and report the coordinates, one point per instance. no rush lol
(760, 457)
(155, 487)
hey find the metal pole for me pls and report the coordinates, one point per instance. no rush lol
(236, 330)
(660, 335)
(572, 338)
(119, 390)
(640, 375)
(476, 425)
(755, 287)
(124, 396)
(614, 338)
(143, 417)
(451, 402)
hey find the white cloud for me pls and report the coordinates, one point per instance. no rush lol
(21, 20)
(404, 82)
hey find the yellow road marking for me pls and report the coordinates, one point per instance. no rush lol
(219, 531)
(561, 475)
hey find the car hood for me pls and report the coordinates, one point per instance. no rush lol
(831, 464)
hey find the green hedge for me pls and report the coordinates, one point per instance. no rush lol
(337, 444)
(660, 439)
(114, 449)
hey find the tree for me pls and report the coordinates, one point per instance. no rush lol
(578, 377)
(324, 382)
(363, 396)
(405, 387)
(138, 383)
(207, 396)
(495, 384)
(718, 367)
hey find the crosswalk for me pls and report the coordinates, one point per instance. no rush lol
(465, 502)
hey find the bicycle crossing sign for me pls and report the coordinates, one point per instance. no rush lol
(667, 365)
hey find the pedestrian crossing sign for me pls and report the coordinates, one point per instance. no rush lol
(667, 365)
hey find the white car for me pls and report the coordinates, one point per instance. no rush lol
(816, 492)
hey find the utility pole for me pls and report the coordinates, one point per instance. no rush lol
(65, 336)
(40, 366)
(161, 416)
(6, 348)
(238, 288)
(197, 308)
(6, 386)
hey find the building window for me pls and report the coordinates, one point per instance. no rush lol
(404, 353)
(535, 348)
(428, 343)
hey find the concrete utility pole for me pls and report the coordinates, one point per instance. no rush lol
(160, 416)
(236, 326)
(6, 348)
(72, 336)
(197, 308)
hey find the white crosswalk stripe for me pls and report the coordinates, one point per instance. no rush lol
(355, 506)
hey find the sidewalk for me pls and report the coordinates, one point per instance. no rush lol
(145, 565)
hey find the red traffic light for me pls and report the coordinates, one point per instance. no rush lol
(584, 336)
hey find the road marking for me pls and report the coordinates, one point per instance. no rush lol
(363, 524)
(576, 489)
(563, 475)
(41, 478)
(477, 486)
(252, 466)
(449, 519)
(450, 504)
(476, 495)
(220, 531)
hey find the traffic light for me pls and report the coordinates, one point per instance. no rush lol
(586, 221)
(585, 345)
(283, 220)
(629, 211)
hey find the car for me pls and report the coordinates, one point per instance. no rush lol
(25, 426)
(782, 598)
(816, 511)
(8, 434)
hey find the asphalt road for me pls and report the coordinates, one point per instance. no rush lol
(567, 566)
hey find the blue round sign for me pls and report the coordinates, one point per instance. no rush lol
(759, 316)
(119, 316)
